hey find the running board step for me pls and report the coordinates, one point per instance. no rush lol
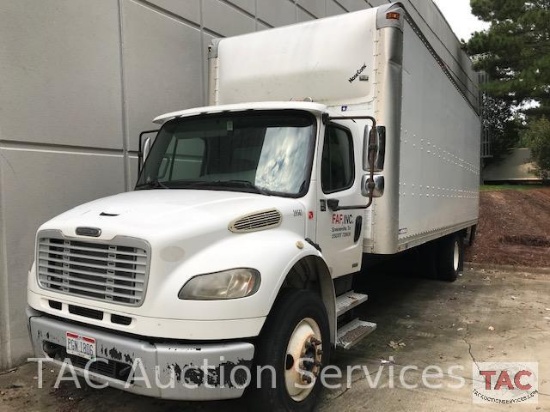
(351, 333)
(348, 301)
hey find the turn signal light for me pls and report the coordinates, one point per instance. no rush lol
(393, 15)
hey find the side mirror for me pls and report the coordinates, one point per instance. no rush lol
(376, 187)
(144, 147)
(374, 140)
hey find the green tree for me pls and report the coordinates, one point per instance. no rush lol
(515, 50)
(537, 137)
(502, 126)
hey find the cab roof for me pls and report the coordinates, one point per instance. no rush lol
(315, 108)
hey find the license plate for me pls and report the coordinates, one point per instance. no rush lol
(80, 345)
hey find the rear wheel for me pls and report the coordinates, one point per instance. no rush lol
(293, 347)
(450, 257)
(427, 260)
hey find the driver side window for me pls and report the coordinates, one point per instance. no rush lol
(183, 159)
(337, 165)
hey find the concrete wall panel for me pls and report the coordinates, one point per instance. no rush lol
(225, 20)
(334, 8)
(247, 5)
(354, 5)
(276, 13)
(302, 16)
(36, 185)
(188, 9)
(60, 71)
(163, 62)
(261, 26)
(314, 7)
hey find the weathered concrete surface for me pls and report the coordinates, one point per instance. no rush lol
(485, 316)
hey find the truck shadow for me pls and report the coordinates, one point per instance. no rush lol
(391, 283)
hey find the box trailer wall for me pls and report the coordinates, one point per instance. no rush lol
(439, 150)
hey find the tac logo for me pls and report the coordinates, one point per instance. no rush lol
(505, 382)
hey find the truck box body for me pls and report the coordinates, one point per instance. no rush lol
(349, 64)
(325, 142)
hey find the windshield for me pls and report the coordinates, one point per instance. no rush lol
(266, 152)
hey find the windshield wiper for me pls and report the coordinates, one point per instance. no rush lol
(152, 184)
(246, 184)
(233, 184)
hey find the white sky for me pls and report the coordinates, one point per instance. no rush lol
(459, 15)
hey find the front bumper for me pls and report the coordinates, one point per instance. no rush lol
(169, 370)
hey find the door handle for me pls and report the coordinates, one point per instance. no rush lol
(358, 228)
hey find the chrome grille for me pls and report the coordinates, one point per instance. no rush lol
(114, 272)
(256, 221)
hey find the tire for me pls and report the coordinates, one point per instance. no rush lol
(426, 263)
(297, 327)
(450, 259)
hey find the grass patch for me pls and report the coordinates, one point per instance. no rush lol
(496, 188)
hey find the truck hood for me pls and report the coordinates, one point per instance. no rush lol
(163, 214)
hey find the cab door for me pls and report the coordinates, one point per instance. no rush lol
(339, 232)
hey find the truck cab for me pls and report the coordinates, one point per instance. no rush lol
(241, 214)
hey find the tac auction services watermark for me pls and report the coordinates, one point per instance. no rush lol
(505, 382)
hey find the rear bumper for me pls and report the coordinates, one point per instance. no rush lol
(202, 371)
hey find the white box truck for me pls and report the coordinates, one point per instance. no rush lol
(232, 262)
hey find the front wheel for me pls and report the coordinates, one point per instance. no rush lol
(291, 352)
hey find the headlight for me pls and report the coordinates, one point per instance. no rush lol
(229, 284)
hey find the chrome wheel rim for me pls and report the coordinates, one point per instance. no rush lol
(303, 359)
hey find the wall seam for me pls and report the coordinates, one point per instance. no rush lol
(341, 5)
(306, 11)
(170, 14)
(234, 6)
(265, 23)
(255, 15)
(4, 281)
(180, 19)
(204, 81)
(124, 103)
